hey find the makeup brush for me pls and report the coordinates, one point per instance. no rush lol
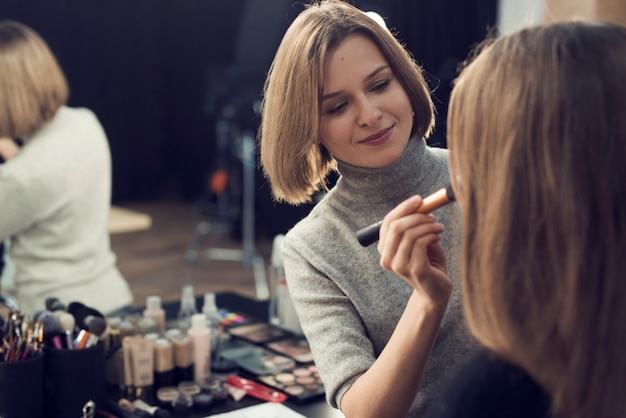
(95, 328)
(441, 197)
(81, 311)
(51, 329)
(154, 411)
(91, 335)
(54, 304)
(68, 323)
(37, 314)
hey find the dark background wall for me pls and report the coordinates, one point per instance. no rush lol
(143, 67)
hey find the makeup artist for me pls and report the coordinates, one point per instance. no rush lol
(343, 94)
(537, 138)
(55, 191)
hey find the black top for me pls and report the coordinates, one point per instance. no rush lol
(488, 386)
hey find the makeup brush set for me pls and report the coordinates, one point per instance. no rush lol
(52, 365)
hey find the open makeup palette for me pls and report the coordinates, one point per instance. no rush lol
(271, 355)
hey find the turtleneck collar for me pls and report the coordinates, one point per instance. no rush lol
(387, 185)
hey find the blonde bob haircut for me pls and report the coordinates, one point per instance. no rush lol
(293, 159)
(33, 85)
(537, 138)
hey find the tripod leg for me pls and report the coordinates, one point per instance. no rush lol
(251, 257)
(203, 229)
(260, 278)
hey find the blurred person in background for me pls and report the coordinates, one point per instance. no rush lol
(55, 190)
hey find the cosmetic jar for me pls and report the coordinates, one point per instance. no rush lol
(182, 405)
(189, 388)
(165, 396)
(202, 401)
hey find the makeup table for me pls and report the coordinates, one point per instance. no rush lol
(314, 408)
(122, 220)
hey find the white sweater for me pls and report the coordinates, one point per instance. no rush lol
(54, 202)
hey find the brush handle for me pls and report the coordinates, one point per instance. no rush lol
(370, 234)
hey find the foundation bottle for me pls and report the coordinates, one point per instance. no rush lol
(155, 311)
(163, 363)
(183, 355)
(200, 335)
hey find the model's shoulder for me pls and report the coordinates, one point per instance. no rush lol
(310, 224)
(438, 153)
(321, 222)
(487, 386)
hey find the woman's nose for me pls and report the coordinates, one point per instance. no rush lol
(369, 112)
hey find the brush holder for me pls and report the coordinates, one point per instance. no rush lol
(73, 378)
(22, 388)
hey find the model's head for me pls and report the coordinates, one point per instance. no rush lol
(537, 138)
(32, 83)
(292, 154)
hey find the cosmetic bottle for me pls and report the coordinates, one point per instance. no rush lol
(183, 355)
(155, 311)
(146, 325)
(211, 312)
(127, 328)
(187, 307)
(201, 342)
(209, 309)
(142, 363)
(113, 354)
(113, 336)
(163, 363)
(127, 380)
(281, 310)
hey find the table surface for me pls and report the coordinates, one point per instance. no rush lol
(318, 408)
(122, 220)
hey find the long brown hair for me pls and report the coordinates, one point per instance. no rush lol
(293, 160)
(32, 83)
(537, 137)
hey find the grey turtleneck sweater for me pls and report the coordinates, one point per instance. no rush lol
(347, 304)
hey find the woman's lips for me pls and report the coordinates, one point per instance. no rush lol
(378, 138)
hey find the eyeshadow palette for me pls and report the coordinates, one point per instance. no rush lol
(258, 360)
(301, 383)
(259, 333)
(297, 348)
(230, 319)
(272, 356)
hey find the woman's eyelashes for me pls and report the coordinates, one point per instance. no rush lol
(381, 85)
(336, 108)
(339, 106)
